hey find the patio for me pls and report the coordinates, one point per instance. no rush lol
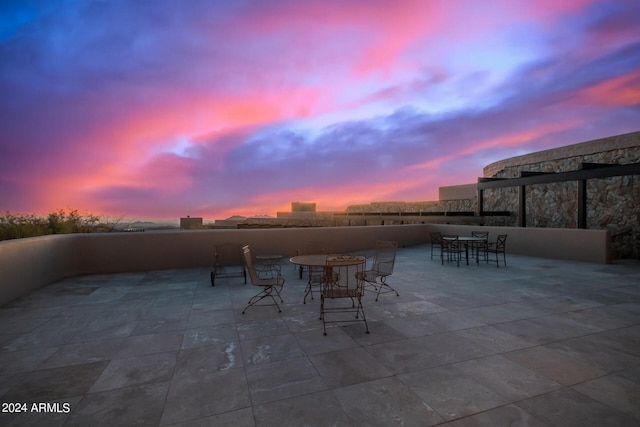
(539, 343)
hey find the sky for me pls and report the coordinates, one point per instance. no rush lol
(159, 109)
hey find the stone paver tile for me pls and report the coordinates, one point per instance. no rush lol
(346, 367)
(379, 332)
(282, 380)
(493, 339)
(316, 409)
(271, 349)
(132, 406)
(552, 364)
(509, 379)
(136, 371)
(140, 345)
(542, 330)
(207, 335)
(207, 380)
(455, 320)
(452, 392)
(415, 326)
(200, 318)
(240, 418)
(12, 362)
(158, 325)
(568, 407)
(418, 353)
(385, 402)
(314, 342)
(261, 328)
(84, 352)
(56, 383)
(615, 391)
(509, 415)
(199, 393)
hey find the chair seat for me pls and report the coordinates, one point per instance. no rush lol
(276, 281)
(496, 248)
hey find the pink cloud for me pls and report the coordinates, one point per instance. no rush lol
(622, 91)
(215, 109)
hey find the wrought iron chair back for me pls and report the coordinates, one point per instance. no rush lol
(271, 283)
(343, 279)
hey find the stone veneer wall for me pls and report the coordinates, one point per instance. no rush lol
(460, 205)
(612, 203)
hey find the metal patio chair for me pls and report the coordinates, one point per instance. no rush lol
(478, 247)
(343, 280)
(451, 250)
(496, 248)
(383, 262)
(270, 283)
(314, 280)
(436, 242)
(228, 262)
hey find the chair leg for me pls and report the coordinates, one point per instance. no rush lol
(497, 258)
(359, 310)
(324, 325)
(308, 290)
(389, 288)
(266, 293)
(364, 318)
(432, 250)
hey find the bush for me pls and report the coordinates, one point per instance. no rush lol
(18, 226)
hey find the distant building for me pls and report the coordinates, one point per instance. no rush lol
(189, 223)
(232, 222)
(303, 207)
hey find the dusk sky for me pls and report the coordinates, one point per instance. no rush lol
(158, 109)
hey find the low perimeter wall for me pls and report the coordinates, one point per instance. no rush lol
(28, 264)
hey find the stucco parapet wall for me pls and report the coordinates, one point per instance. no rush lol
(580, 150)
(28, 264)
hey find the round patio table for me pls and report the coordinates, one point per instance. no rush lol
(320, 260)
(466, 241)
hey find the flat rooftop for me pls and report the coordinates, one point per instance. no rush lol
(539, 343)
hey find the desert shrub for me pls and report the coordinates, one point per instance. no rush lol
(18, 226)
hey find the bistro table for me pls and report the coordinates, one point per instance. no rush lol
(320, 261)
(468, 241)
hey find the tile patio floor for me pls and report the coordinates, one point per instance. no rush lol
(539, 343)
